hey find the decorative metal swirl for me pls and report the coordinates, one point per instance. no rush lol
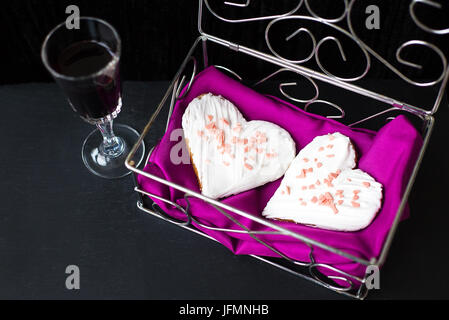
(316, 46)
(349, 32)
(286, 84)
(345, 277)
(250, 19)
(402, 61)
(330, 20)
(298, 31)
(241, 5)
(232, 72)
(419, 23)
(340, 116)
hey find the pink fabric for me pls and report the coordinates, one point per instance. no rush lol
(388, 156)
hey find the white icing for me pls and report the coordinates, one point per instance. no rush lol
(229, 170)
(293, 199)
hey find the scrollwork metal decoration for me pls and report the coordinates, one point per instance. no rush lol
(248, 2)
(340, 109)
(408, 43)
(419, 23)
(349, 31)
(317, 45)
(286, 84)
(330, 20)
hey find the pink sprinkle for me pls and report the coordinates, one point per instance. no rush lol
(319, 165)
(237, 128)
(340, 202)
(355, 204)
(356, 191)
(220, 137)
(249, 167)
(333, 175)
(318, 182)
(305, 160)
(327, 200)
(314, 200)
(312, 186)
(330, 155)
(226, 163)
(304, 188)
(200, 133)
(211, 126)
(262, 140)
(331, 137)
(303, 203)
(302, 175)
(310, 170)
(349, 179)
(356, 197)
(329, 183)
(321, 149)
(330, 146)
(226, 122)
(210, 117)
(366, 184)
(288, 189)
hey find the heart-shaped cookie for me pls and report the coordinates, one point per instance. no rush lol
(321, 188)
(229, 154)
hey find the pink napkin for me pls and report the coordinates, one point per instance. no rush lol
(388, 155)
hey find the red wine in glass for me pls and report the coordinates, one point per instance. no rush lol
(102, 97)
(85, 64)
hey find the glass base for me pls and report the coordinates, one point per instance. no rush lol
(111, 167)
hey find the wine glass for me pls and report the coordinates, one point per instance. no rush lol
(85, 64)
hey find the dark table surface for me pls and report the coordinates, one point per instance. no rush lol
(54, 213)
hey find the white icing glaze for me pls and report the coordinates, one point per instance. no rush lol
(331, 196)
(231, 154)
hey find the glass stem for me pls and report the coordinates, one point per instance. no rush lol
(112, 146)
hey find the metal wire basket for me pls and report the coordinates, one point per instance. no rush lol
(282, 76)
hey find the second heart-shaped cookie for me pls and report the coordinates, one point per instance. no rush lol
(322, 189)
(229, 154)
